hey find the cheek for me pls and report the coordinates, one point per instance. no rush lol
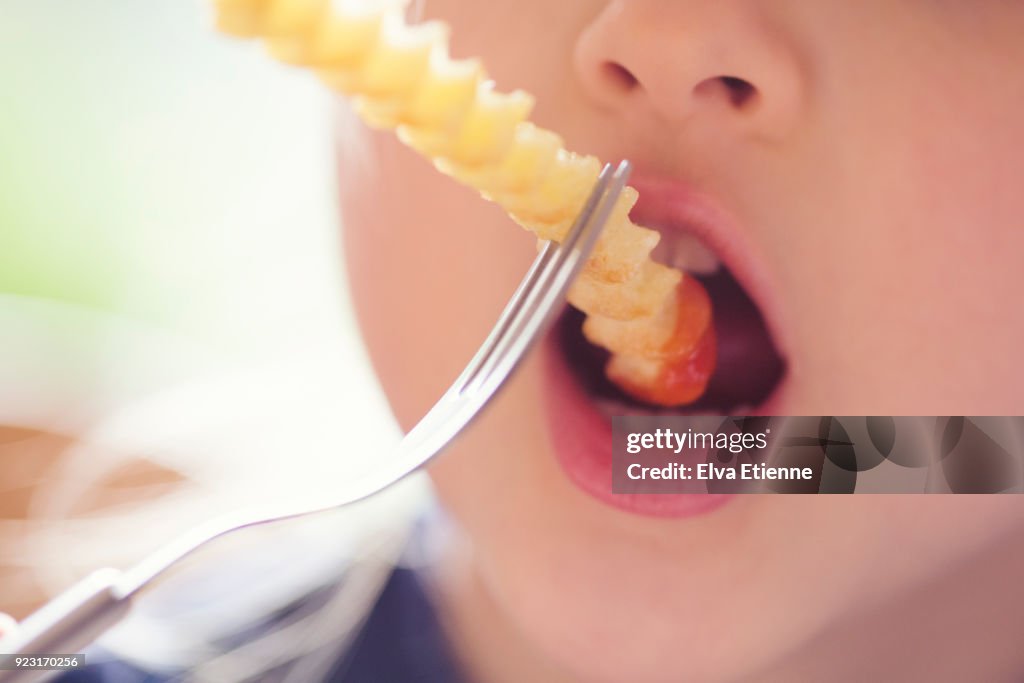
(430, 266)
(902, 260)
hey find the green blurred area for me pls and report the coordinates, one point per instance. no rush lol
(154, 169)
(59, 226)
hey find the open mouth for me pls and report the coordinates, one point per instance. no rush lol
(751, 367)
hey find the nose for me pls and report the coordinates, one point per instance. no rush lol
(719, 62)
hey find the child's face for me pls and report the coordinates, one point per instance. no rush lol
(871, 163)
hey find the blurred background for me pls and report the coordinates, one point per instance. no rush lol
(175, 335)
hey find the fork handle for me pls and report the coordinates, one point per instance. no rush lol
(66, 624)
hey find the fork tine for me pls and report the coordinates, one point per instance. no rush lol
(549, 253)
(539, 302)
(530, 309)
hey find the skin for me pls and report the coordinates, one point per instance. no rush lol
(874, 170)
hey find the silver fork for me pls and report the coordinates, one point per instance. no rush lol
(79, 615)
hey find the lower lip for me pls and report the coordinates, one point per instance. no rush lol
(582, 440)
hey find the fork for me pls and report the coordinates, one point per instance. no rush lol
(79, 615)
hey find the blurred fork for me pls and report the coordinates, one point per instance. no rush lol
(79, 615)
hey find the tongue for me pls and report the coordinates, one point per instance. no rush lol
(748, 365)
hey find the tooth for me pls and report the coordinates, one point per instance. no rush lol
(685, 252)
(690, 255)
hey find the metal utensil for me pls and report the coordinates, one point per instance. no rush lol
(79, 615)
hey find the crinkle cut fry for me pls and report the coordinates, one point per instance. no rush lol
(401, 77)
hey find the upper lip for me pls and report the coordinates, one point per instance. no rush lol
(671, 205)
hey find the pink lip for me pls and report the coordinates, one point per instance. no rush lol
(582, 440)
(580, 434)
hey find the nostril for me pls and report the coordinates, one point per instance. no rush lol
(619, 76)
(739, 92)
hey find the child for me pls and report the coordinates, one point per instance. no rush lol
(855, 167)
(865, 157)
